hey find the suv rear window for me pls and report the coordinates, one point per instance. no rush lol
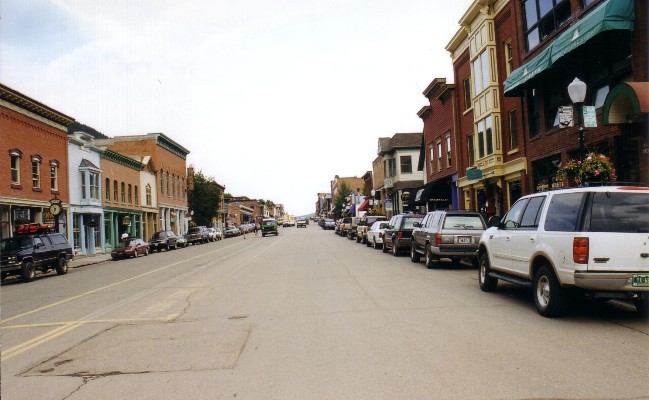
(620, 212)
(563, 212)
(463, 222)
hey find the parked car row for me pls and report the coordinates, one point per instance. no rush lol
(588, 241)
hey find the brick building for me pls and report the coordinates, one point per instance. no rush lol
(121, 197)
(169, 162)
(438, 153)
(492, 167)
(602, 43)
(33, 162)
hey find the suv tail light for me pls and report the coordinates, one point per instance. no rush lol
(399, 235)
(580, 250)
(380, 235)
(438, 239)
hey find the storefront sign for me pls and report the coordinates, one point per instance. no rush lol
(473, 174)
(565, 116)
(126, 221)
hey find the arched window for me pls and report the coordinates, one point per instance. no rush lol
(123, 192)
(107, 189)
(130, 194)
(137, 196)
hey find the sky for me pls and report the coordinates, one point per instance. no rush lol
(273, 99)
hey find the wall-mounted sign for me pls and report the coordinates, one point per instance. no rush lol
(473, 174)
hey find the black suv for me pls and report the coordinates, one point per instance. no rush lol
(163, 240)
(197, 235)
(398, 235)
(24, 254)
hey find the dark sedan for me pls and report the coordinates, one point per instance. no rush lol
(130, 247)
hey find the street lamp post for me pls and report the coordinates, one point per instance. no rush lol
(577, 93)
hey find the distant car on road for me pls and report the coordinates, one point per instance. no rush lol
(300, 223)
(269, 227)
(231, 231)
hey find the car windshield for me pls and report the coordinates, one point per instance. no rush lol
(268, 223)
(463, 222)
(15, 243)
(128, 243)
(194, 230)
(159, 235)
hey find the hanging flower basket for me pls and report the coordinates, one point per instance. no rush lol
(596, 168)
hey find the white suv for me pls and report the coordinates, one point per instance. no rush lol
(591, 239)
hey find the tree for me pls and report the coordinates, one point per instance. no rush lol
(341, 199)
(204, 200)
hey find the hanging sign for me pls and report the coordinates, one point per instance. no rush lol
(565, 116)
(590, 118)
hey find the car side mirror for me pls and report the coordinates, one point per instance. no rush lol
(416, 224)
(494, 221)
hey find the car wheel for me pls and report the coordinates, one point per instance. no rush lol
(146, 252)
(642, 306)
(113, 258)
(358, 239)
(550, 297)
(414, 256)
(431, 261)
(385, 247)
(28, 272)
(167, 247)
(62, 266)
(375, 245)
(487, 283)
(395, 249)
(175, 245)
(136, 254)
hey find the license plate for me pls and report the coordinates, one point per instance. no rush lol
(640, 280)
(464, 239)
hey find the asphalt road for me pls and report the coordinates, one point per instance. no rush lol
(306, 315)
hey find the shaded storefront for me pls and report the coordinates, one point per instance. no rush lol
(440, 194)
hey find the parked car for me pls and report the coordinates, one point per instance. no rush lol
(197, 235)
(605, 229)
(211, 235)
(218, 233)
(398, 235)
(163, 240)
(300, 223)
(375, 234)
(231, 231)
(447, 234)
(351, 232)
(130, 247)
(329, 223)
(344, 226)
(363, 226)
(25, 254)
(269, 227)
(181, 241)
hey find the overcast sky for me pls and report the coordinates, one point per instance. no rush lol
(272, 98)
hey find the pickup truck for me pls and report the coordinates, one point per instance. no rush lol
(25, 254)
(364, 224)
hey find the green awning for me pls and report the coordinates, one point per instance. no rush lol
(528, 71)
(610, 15)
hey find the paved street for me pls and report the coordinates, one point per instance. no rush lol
(305, 315)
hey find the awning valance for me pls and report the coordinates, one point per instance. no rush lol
(438, 191)
(626, 103)
(610, 15)
(365, 205)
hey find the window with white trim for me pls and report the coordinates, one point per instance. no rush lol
(485, 137)
(148, 195)
(448, 150)
(15, 155)
(36, 172)
(480, 73)
(439, 155)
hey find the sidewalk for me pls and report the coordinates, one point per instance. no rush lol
(81, 260)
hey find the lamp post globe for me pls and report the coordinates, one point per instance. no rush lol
(577, 93)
